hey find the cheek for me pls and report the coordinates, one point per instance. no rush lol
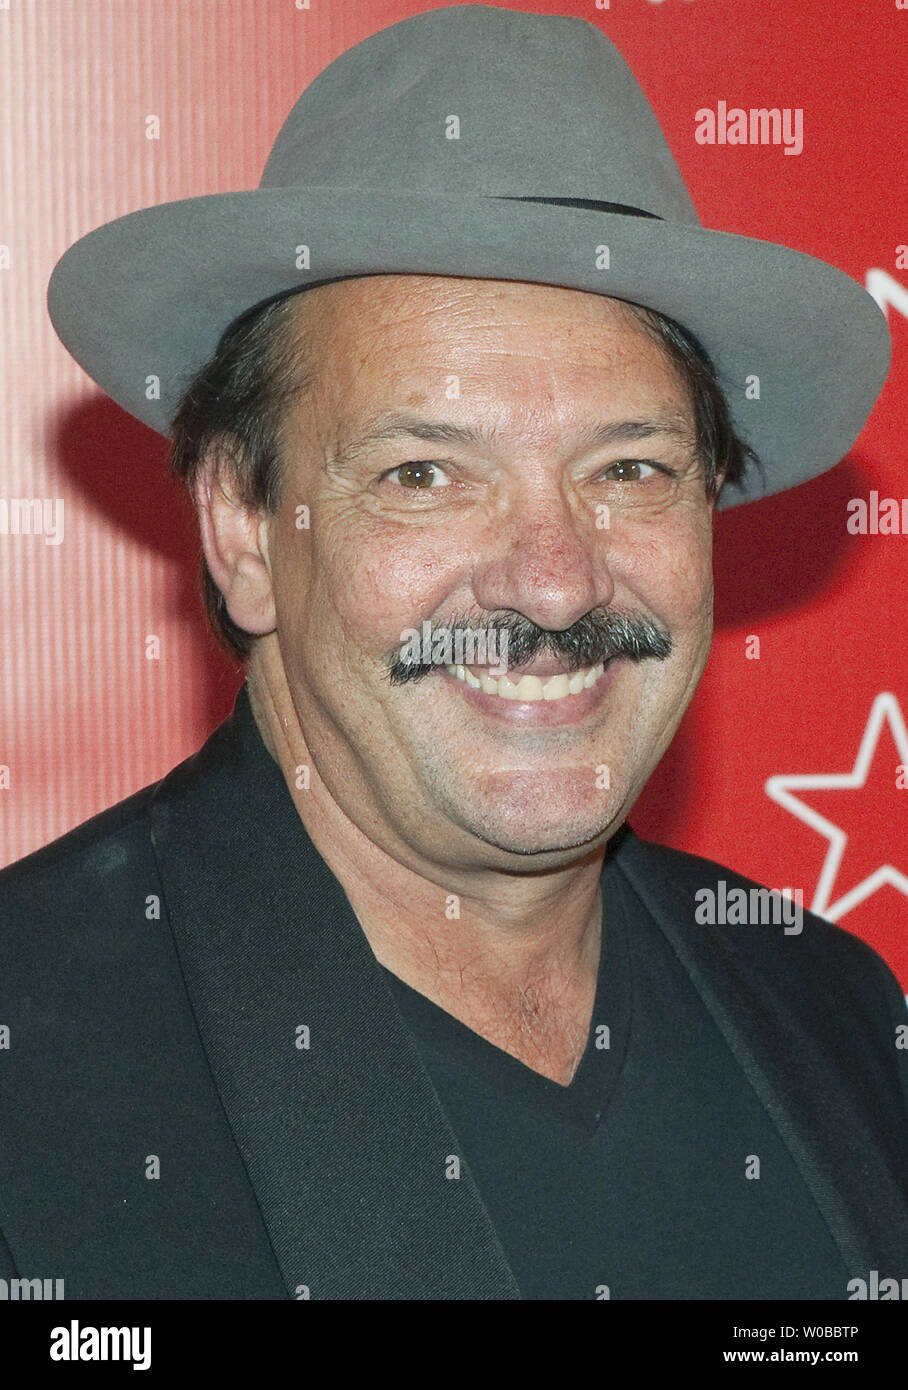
(670, 568)
(378, 583)
(291, 566)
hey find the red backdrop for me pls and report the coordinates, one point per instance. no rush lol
(90, 712)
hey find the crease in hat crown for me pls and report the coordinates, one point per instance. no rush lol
(547, 104)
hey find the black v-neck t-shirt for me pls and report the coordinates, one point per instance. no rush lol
(657, 1173)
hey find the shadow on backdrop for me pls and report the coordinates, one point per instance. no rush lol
(770, 557)
(121, 469)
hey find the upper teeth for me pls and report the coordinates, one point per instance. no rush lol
(530, 687)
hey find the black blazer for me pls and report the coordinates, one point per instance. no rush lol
(157, 964)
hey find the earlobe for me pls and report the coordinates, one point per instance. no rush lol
(234, 540)
(720, 483)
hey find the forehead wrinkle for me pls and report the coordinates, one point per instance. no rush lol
(379, 306)
(412, 427)
(670, 424)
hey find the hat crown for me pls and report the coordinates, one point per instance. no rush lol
(478, 101)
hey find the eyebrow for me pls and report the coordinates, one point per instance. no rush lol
(403, 427)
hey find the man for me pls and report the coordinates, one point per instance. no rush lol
(378, 996)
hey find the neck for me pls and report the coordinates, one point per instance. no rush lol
(513, 955)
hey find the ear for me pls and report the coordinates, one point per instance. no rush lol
(235, 542)
(720, 483)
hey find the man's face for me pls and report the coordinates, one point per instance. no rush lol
(460, 455)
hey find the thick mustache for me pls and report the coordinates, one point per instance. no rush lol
(598, 636)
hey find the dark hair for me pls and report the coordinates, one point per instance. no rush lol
(238, 402)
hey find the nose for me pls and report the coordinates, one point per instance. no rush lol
(546, 560)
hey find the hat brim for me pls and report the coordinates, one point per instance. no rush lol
(149, 295)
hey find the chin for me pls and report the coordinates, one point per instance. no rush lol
(549, 849)
(554, 815)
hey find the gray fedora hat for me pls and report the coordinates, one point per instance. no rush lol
(490, 143)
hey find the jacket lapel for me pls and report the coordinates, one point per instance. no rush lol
(349, 1152)
(814, 1083)
(346, 1144)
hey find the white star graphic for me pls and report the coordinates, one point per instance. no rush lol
(779, 789)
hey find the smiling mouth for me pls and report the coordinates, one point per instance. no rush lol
(529, 688)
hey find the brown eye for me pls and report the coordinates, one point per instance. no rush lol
(419, 475)
(629, 470)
